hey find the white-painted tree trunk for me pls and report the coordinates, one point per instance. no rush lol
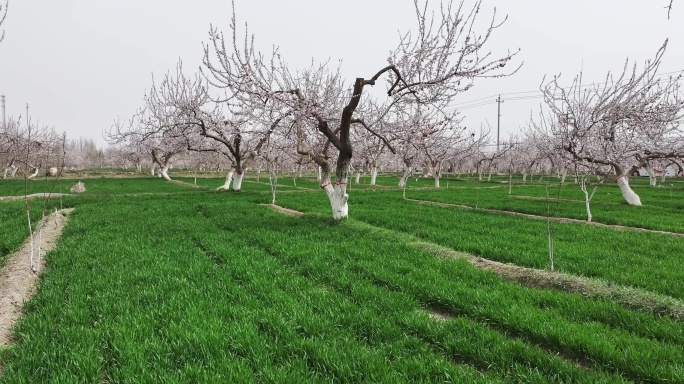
(11, 170)
(165, 173)
(563, 175)
(226, 183)
(374, 175)
(404, 177)
(587, 198)
(524, 177)
(651, 176)
(34, 174)
(357, 179)
(435, 171)
(662, 178)
(337, 194)
(154, 166)
(237, 181)
(273, 180)
(318, 178)
(408, 168)
(300, 172)
(587, 204)
(627, 193)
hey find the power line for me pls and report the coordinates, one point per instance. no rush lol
(466, 104)
(525, 95)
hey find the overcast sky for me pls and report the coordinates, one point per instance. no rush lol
(81, 63)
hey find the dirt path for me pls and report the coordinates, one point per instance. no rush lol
(33, 196)
(17, 280)
(185, 184)
(283, 210)
(554, 219)
(535, 278)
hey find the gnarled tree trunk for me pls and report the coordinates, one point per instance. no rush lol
(226, 183)
(337, 194)
(165, 173)
(408, 167)
(35, 173)
(11, 170)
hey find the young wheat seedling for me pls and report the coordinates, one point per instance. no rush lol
(548, 227)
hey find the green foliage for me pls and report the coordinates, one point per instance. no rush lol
(659, 212)
(94, 186)
(200, 286)
(645, 260)
(14, 222)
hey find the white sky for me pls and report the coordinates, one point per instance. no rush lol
(81, 63)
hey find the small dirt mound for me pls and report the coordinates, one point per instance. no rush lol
(78, 188)
(438, 314)
(52, 171)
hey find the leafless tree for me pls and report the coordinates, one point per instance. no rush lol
(406, 147)
(147, 132)
(435, 62)
(10, 147)
(28, 147)
(488, 158)
(438, 136)
(374, 141)
(230, 126)
(524, 156)
(610, 126)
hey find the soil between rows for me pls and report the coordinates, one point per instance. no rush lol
(18, 279)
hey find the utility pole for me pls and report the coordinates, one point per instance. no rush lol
(498, 121)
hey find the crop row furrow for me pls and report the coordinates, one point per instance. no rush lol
(344, 279)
